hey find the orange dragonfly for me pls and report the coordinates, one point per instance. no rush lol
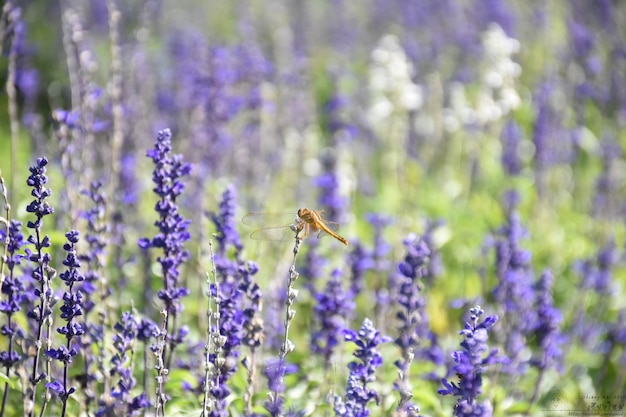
(284, 226)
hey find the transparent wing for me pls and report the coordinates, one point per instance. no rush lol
(267, 220)
(282, 234)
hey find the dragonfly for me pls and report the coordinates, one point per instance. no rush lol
(283, 226)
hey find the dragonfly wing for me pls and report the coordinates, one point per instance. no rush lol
(283, 234)
(267, 220)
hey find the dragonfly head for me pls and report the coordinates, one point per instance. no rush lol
(305, 214)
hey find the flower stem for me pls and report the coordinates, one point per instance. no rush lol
(287, 345)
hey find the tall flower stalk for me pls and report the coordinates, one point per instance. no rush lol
(362, 372)
(96, 291)
(411, 317)
(237, 301)
(13, 293)
(42, 274)
(514, 290)
(278, 370)
(121, 401)
(214, 340)
(13, 32)
(547, 331)
(167, 174)
(70, 310)
(470, 365)
(332, 307)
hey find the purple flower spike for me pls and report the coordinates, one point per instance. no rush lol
(548, 327)
(275, 371)
(511, 139)
(470, 363)
(362, 372)
(173, 233)
(360, 260)
(39, 206)
(122, 402)
(331, 308)
(414, 322)
(41, 272)
(13, 292)
(415, 339)
(514, 290)
(70, 310)
(334, 204)
(225, 223)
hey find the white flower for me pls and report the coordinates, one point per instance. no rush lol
(390, 80)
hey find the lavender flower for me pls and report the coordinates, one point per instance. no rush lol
(252, 71)
(26, 77)
(606, 201)
(253, 326)
(414, 327)
(96, 240)
(121, 401)
(494, 11)
(239, 301)
(225, 223)
(362, 372)
(470, 365)
(381, 247)
(129, 180)
(172, 226)
(253, 335)
(147, 332)
(231, 325)
(547, 331)
(514, 290)
(331, 309)
(42, 273)
(584, 42)
(412, 313)
(543, 130)
(331, 199)
(93, 285)
(381, 264)
(207, 75)
(14, 294)
(287, 346)
(37, 180)
(596, 274)
(70, 119)
(229, 270)
(360, 260)
(547, 327)
(335, 109)
(70, 310)
(552, 143)
(273, 317)
(275, 371)
(312, 269)
(435, 264)
(511, 138)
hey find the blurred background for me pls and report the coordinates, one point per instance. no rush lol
(437, 117)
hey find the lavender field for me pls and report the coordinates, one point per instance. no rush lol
(469, 156)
